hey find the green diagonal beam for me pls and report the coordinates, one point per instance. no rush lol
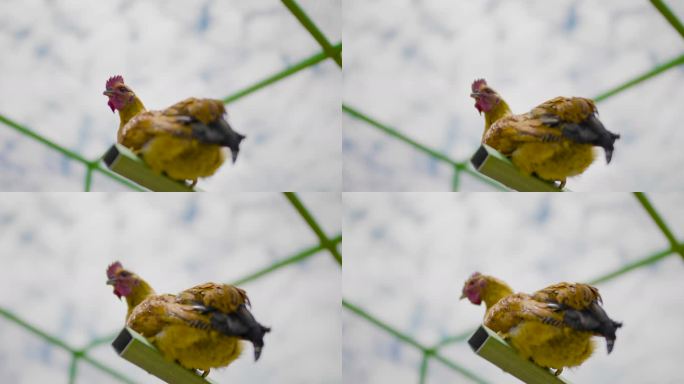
(289, 71)
(461, 166)
(660, 222)
(650, 259)
(35, 136)
(679, 60)
(94, 165)
(287, 261)
(73, 369)
(315, 32)
(669, 15)
(61, 344)
(425, 361)
(313, 224)
(384, 326)
(411, 341)
(398, 135)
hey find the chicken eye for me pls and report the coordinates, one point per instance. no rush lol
(124, 274)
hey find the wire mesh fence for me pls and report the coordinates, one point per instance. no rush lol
(83, 355)
(432, 354)
(332, 51)
(463, 166)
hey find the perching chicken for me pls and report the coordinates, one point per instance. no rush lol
(553, 141)
(200, 328)
(552, 327)
(183, 141)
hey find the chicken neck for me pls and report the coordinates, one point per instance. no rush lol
(499, 110)
(494, 291)
(130, 110)
(141, 290)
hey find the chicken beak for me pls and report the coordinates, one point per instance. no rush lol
(463, 296)
(111, 282)
(475, 95)
(108, 92)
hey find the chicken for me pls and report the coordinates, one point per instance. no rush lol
(553, 141)
(553, 327)
(183, 141)
(200, 328)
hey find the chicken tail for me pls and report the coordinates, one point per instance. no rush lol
(593, 319)
(218, 132)
(591, 131)
(241, 324)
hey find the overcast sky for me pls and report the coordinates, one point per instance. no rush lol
(62, 52)
(56, 248)
(407, 256)
(410, 64)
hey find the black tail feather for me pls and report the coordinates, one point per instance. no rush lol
(243, 325)
(591, 131)
(594, 319)
(219, 132)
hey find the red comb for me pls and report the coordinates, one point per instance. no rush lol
(478, 84)
(113, 81)
(475, 274)
(111, 271)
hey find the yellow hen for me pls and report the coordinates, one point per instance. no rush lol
(200, 328)
(553, 327)
(183, 141)
(553, 141)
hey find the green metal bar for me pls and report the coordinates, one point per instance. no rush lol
(73, 369)
(424, 367)
(124, 162)
(61, 344)
(493, 183)
(315, 32)
(118, 178)
(411, 341)
(398, 135)
(306, 63)
(669, 15)
(287, 261)
(135, 348)
(633, 265)
(495, 165)
(306, 215)
(30, 133)
(679, 60)
(659, 222)
(88, 182)
(456, 179)
(45, 336)
(487, 344)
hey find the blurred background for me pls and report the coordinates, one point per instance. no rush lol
(59, 54)
(410, 64)
(407, 256)
(56, 248)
